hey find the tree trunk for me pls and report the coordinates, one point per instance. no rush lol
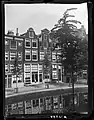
(16, 83)
(72, 89)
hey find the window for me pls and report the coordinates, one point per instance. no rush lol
(54, 66)
(11, 67)
(6, 42)
(19, 78)
(54, 74)
(14, 78)
(55, 99)
(28, 104)
(14, 106)
(6, 55)
(6, 68)
(20, 66)
(34, 67)
(45, 37)
(19, 56)
(53, 56)
(27, 55)
(27, 77)
(20, 104)
(27, 43)
(27, 68)
(41, 55)
(34, 44)
(34, 56)
(55, 102)
(40, 67)
(13, 55)
(35, 103)
(19, 43)
(5, 81)
(13, 44)
(31, 34)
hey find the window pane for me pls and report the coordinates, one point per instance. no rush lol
(13, 44)
(34, 57)
(27, 56)
(6, 42)
(34, 44)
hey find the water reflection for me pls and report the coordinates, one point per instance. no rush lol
(54, 104)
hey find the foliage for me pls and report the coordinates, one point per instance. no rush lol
(46, 64)
(16, 70)
(73, 49)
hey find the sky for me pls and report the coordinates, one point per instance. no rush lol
(40, 16)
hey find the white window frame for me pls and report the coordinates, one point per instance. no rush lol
(53, 56)
(35, 53)
(29, 52)
(14, 54)
(27, 69)
(11, 66)
(20, 66)
(41, 55)
(27, 40)
(16, 45)
(54, 73)
(6, 42)
(20, 56)
(7, 66)
(30, 35)
(35, 40)
(6, 54)
(27, 75)
(54, 66)
(35, 69)
(19, 43)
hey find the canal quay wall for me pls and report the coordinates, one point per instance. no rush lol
(40, 92)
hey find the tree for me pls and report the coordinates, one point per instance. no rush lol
(46, 66)
(65, 34)
(16, 70)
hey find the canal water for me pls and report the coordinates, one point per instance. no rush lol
(58, 103)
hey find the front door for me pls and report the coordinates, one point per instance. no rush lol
(34, 77)
(40, 77)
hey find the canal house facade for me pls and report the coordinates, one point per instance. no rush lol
(13, 48)
(31, 49)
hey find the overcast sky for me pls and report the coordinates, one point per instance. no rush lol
(40, 16)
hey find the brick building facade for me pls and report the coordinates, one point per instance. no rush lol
(31, 49)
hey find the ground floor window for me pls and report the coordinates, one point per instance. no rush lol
(54, 74)
(27, 78)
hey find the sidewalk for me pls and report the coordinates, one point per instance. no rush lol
(40, 87)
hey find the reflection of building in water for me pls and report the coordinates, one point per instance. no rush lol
(54, 104)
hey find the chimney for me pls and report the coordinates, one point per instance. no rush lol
(17, 32)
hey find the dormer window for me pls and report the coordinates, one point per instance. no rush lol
(31, 34)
